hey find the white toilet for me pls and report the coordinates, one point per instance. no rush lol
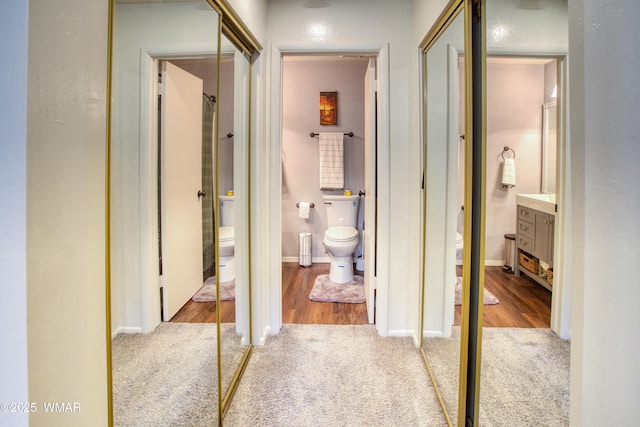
(459, 246)
(341, 238)
(226, 239)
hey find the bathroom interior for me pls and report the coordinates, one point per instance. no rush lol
(306, 208)
(520, 175)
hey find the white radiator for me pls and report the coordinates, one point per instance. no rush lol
(304, 249)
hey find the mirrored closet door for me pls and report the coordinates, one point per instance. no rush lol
(443, 198)
(179, 145)
(232, 163)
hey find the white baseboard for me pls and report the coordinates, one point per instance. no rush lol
(125, 330)
(402, 333)
(432, 334)
(263, 339)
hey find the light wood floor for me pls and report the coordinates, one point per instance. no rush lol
(205, 312)
(523, 302)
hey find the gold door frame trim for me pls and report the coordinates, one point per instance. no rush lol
(475, 205)
(236, 29)
(216, 227)
(447, 16)
(107, 220)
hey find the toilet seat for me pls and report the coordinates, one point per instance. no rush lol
(341, 234)
(226, 234)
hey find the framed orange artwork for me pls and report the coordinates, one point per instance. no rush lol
(328, 108)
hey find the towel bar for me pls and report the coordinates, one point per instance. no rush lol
(312, 134)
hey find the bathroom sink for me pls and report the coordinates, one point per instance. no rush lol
(540, 202)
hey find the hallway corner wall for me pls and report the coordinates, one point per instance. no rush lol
(66, 159)
(13, 208)
(603, 88)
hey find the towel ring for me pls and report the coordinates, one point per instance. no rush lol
(507, 149)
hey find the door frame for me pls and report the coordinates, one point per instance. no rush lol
(273, 244)
(148, 173)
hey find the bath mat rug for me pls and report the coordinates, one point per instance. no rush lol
(207, 293)
(324, 290)
(489, 298)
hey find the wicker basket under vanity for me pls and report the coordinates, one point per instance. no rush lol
(530, 263)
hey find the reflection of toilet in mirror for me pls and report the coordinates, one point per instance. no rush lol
(459, 247)
(341, 237)
(226, 239)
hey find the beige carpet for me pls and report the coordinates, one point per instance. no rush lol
(324, 290)
(169, 377)
(333, 375)
(524, 377)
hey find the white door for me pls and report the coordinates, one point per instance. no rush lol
(370, 188)
(181, 180)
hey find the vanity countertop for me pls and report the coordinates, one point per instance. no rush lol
(540, 202)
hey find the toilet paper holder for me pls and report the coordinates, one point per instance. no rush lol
(311, 205)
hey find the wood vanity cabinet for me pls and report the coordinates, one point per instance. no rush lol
(534, 235)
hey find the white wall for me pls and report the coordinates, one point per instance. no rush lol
(66, 137)
(13, 210)
(512, 28)
(344, 25)
(605, 149)
(302, 83)
(254, 15)
(515, 94)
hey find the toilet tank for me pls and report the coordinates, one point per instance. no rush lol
(227, 212)
(341, 210)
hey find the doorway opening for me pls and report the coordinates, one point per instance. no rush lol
(309, 295)
(189, 253)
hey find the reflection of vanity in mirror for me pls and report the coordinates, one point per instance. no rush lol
(179, 144)
(454, 354)
(536, 213)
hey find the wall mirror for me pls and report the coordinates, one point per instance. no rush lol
(233, 262)
(170, 168)
(526, 44)
(508, 334)
(443, 141)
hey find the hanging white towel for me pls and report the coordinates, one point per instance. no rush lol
(331, 161)
(509, 173)
(303, 210)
